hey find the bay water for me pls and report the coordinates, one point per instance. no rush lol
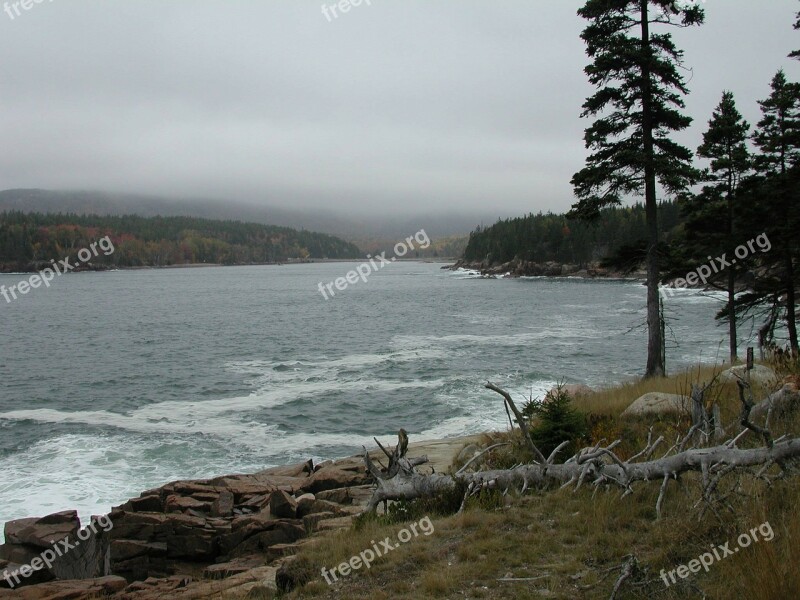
(113, 383)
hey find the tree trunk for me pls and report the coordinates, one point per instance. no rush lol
(791, 302)
(734, 346)
(655, 354)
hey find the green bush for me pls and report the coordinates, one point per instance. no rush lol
(553, 420)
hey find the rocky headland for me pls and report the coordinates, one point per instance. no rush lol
(223, 537)
(525, 268)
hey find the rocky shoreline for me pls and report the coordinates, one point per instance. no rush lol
(221, 537)
(525, 268)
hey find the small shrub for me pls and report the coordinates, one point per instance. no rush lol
(555, 421)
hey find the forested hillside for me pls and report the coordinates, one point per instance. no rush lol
(549, 237)
(26, 240)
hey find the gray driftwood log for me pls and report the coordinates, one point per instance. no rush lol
(598, 466)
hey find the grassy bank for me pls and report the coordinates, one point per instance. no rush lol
(562, 543)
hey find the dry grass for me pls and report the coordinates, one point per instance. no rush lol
(612, 401)
(566, 544)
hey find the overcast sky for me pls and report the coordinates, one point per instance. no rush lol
(397, 106)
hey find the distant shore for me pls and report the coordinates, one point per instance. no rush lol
(523, 268)
(17, 269)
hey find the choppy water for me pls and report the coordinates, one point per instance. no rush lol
(113, 383)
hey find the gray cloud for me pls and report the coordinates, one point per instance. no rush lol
(404, 105)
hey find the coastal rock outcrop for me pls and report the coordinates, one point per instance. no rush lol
(224, 537)
(526, 268)
(53, 547)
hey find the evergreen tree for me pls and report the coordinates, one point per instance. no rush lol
(639, 91)
(778, 162)
(712, 218)
(796, 53)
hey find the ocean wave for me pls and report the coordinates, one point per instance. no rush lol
(211, 417)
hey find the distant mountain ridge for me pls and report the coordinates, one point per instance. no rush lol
(368, 231)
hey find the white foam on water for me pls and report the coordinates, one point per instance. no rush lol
(276, 383)
(485, 408)
(92, 473)
(462, 273)
(572, 329)
(265, 373)
(212, 417)
(693, 295)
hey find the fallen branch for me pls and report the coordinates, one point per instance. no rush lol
(408, 484)
(520, 419)
(629, 568)
(747, 407)
(598, 466)
(477, 456)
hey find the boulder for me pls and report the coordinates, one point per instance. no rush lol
(324, 464)
(316, 506)
(333, 477)
(253, 583)
(123, 550)
(223, 505)
(759, 375)
(359, 495)
(90, 557)
(175, 503)
(186, 536)
(248, 504)
(42, 532)
(339, 496)
(150, 503)
(278, 532)
(234, 567)
(18, 575)
(69, 590)
(17, 553)
(282, 505)
(138, 526)
(310, 521)
(249, 526)
(658, 403)
(297, 470)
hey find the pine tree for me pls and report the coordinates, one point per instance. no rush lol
(778, 162)
(796, 53)
(712, 224)
(639, 92)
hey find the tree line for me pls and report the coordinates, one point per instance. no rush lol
(549, 237)
(746, 184)
(28, 240)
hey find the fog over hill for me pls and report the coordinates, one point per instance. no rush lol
(360, 228)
